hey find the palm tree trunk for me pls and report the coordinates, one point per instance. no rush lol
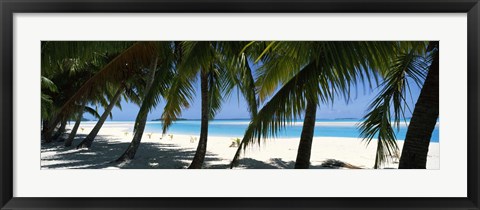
(60, 130)
(48, 133)
(422, 124)
(87, 142)
(72, 134)
(202, 143)
(44, 126)
(377, 161)
(129, 154)
(306, 139)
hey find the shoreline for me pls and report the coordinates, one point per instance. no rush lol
(128, 127)
(157, 152)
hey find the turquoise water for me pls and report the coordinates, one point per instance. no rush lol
(236, 128)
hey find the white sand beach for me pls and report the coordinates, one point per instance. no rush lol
(156, 152)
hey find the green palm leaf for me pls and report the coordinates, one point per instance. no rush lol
(392, 97)
(116, 72)
(285, 107)
(92, 111)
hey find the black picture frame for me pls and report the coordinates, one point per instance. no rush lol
(9, 7)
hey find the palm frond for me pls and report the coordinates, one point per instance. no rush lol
(48, 84)
(208, 58)
(92, 111)
(378, 121)
(280, 65)
(216, 83)
(160, 81)
(77, 53)
(284, 107)
(234, 62)
(116, 72)
(179, 96)
(247, 85)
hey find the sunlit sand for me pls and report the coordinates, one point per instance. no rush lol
(174, 151)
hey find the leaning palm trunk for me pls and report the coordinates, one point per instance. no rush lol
(87, 142)
(305, 146)
(44, 126)
(377, 156)
(129, 154)
(60, 130)
(140, 124)
(202, 143)
(72, 134)
(48, 133)
(422, 124)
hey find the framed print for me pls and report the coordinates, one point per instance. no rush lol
(277, 104)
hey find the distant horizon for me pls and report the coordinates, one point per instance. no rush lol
(343, 118)
(236, 107)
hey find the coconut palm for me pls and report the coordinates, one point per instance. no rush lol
(157, 84)
(130, 89)
(78, 120)
(67, 80)
(409, 65)
(309, 73)
(82, 105)
(120, 75)
(87, 141)
(66, 57)
(219, 70)
(51, 98)
(61, 130)
(424, 117)
(49, 90)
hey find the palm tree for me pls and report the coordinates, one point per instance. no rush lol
(73, 132)
(61, 59)
(87, 142)
(79, 117)
(47, 105)
(311, 73)
(296, 53)
(198, 57)
(142, 119)
(306, 138)
(52, 92)
(60, 130)
(274, 116)
(121, 73)
(408, 65)
(219, 68)
(413, 63)
(157, 84)
(424, 117)
(65, 81)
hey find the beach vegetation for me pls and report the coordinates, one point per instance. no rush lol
(281, 82)
(305, 75)
(220, 67)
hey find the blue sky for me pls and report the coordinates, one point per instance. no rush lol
(235, 107)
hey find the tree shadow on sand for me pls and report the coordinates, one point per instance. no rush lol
(103, 152)
(278, 163)
(158, 155)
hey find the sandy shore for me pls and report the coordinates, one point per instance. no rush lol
(177, 152)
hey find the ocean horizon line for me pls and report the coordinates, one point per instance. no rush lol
(248, 119)
(183, 119)
(235, 129)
